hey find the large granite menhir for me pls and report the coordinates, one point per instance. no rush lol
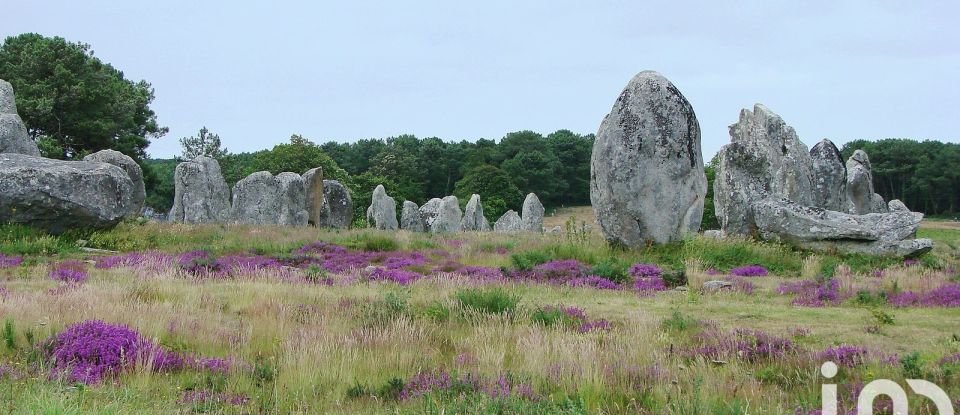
(337, 209)
(382, 212)
(201, 196)
(133, 170)
(647, 182)
(264, 199)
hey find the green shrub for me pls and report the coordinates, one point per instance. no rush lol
(550, 316)
(869, 299)
(437, 311)
(675, 279)
(611, 269)
(678, 322)
(9, 334)
(911, 366)
(384, 311)
(525, 261)
(371, 242)
(490, 301)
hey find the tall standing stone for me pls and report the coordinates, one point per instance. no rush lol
(293, 200)
(337, 209)
(410, 219)
(116, 158)
(313, 184)
(531, 215)
(13, 134)
(829, 177)
(473, 219)
(647, 181)
(382, 213)
(860, 194)
(448, 217)
(509, 222)
(429, 211)
(200, 193)
(264, 199)
(764, 158)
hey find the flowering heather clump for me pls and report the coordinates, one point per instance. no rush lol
(411, 259)
(594, 281)
(650, 284)
(946, 295)
(909, 262)
(749, 271)
(198, 263)
(10, 261)
(748, 345)
(320, 248)
(596, 325)
(951, 359)
(398, 276)
(231, 265)
(845, 356)
(741, 284)
(201, 397)
(426, 382)
(4, 293)
(645, 270)
(133, 259)
(481, 274)
(561, 269)
(502, 387)
(812, 294)
(713, 271)
(69, 272)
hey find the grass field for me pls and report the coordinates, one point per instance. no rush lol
(266, 320)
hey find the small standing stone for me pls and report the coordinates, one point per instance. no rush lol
(382, 213)
(473, 219)
(410, 219)
(532, 214)
(509, 222)
(448, 217)
(313, 184)
(337, 209)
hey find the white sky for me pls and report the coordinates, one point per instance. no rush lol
(255, 74)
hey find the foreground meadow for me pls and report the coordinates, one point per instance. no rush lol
(238, 320)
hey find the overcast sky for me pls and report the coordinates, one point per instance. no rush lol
(346, 70)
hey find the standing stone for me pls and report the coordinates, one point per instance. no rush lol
(264, 199)
(509, 222)
(860, 192)
(473, 219)
(410, 218)
(448, 217)
(293, 200)
(133, 170)
(382, 213)
(200, 193)
(765, 158)
(57, 195)
(531, 216)
(337, 209)
(313, 185)
(429, 212)
(647, 181)
(829, 177)
(13, 134)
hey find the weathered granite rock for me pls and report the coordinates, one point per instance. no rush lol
(313, 185)
(829, 177)
(337, 209)
(382, 213)
(429, 212)
(509, 222)
(714, 234)
(860, 186)
(448, 217)
(133, 170)
(717, 285)
(264, 199)
(813, 228)
(410, 218)
(13, 134)
(531, 216)
(554, 230)
(200, 193)
(647, 180)
(58, 195)
(765, 158)
(473, 219)
(896, 205)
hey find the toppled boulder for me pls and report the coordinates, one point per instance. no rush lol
(200, 193)
(509, 222)
(829, 177)
(448, 216)
(860, 186)
(531, 218)
(313, 185)
(337, 208)
(133, 170)
(647, 181)
(58, 195)
(717, 285)
(410, 219)
(13, 134)
(382, 212)
(473, 219)
(264, 199)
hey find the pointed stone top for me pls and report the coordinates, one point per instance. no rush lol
(8, 104)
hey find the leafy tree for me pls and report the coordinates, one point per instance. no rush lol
(573, 153)
(709, 210)
(204, 143)
(361, 190)
(537, 172)
(73, 103)
(298, 156)
(496, 189)
(160, 190)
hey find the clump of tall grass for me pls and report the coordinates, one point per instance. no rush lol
(489, 301)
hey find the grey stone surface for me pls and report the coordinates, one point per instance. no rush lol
(714, 234)
(765, 158)
(200, 193)
(531, 216)
(647, 181)
(133, 170)
(896, 205)
(473, 219)
(717, 285)
(860, 192)
(448, 217)
(382, 212)
(337, 209)
(264, 199)
(313, 185)
(509, 222)
(410, 218)
(13, 134)
(554, 230)
(429, 211)
(58, 195)
(813, 228)
(829, 177)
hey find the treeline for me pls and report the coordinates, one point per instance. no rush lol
(925, 175)
(556, 167)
